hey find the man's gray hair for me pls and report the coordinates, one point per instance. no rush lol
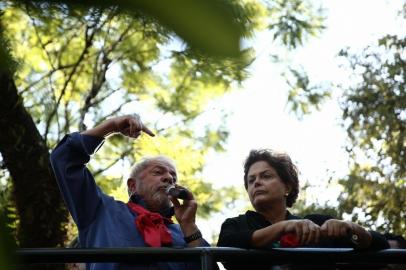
(144, 162)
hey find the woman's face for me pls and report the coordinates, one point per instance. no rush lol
(264, 186)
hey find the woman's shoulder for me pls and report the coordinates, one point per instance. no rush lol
(242, 218)
(235, 219)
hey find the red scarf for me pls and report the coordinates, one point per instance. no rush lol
(152, 226)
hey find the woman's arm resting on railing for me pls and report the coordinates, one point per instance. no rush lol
(360, 237)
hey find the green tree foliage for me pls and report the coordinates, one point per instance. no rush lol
(210, 26)
(293, 22)
(7, 63)
(303, 97)
(7, 245)
(80, 65)
(303, 207)
(374, 113)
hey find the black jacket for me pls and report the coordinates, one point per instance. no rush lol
(237, 232)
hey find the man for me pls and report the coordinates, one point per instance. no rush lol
(142, 222)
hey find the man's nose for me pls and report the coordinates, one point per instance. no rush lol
(167, 178)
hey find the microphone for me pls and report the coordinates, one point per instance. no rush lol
(176, 192)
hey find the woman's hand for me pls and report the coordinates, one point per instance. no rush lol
(306, 231)
(336, 228)
(339, 228)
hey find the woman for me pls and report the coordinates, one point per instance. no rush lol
(271, 181)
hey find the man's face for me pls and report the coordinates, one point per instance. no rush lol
(151, 184)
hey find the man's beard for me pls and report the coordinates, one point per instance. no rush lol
(158, 202)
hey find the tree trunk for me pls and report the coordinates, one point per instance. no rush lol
(41, 211)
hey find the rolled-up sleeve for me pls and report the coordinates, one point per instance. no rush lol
(79, 190)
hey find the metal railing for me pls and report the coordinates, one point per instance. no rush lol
(209, 255)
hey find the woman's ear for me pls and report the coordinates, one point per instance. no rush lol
(288, 190)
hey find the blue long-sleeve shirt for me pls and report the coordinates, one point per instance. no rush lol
(101, 220)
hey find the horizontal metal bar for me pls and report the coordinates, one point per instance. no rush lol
(310, 255)
(60, 255)
(218, 254)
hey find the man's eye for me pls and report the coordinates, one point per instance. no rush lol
(251, 180)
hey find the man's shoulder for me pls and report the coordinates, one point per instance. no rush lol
(112, 202)
(112, 205)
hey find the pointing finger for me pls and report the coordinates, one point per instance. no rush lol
(147, 130)
(131, 123)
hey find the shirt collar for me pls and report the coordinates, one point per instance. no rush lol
(261, 219)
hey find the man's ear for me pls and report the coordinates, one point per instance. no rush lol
(131, 185)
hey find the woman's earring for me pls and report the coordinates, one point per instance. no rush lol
(286, 194)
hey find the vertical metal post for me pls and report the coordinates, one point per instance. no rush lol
(206, 260)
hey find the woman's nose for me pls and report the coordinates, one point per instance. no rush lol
(257, 182)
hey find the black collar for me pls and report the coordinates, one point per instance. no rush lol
(261, 219)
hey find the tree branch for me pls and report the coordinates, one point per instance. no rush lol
(88, 44)
(123, 155)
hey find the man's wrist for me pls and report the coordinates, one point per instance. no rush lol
(189, 228)
(103, 130)
(194, 236)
